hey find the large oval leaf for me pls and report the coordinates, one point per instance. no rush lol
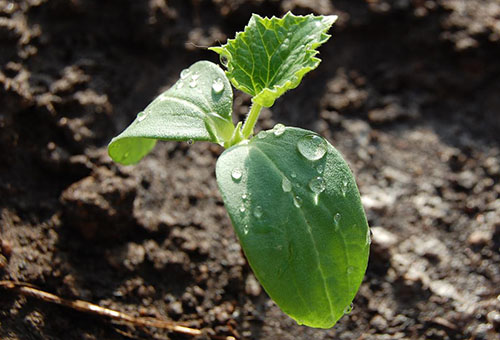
(297, 212)
(198, 107)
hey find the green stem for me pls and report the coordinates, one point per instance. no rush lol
(252, 117)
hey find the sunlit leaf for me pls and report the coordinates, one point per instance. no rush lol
(197, 107)
(273, 54)
(296, 209)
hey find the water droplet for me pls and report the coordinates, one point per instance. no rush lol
(262, 135)
(141, 116)
(286, 185)
(258, 211)
(217, 86)
(180, 84)
(336, 219)
(320, 168)
(279, 129)
(195, 76)
(244, 197)
(236, 174)
(317, 185)
(185, 73)
(245, 229)
(224, 60)
(190, 142)
(297, 201)
(348, 309)
(286, 42)
(193, 83)
(369, 237)
(317, 23)
(293, 175)
(312, 147)
(242, 208)
(344, 187)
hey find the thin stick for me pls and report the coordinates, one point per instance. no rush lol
(90, 308)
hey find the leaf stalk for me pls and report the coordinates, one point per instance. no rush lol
(251, 119)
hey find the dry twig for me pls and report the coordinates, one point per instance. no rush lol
(90, 308)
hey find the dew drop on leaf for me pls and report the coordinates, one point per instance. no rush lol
(141, 116)
(217, 86)
(245, 229)
(336, 219)
(242, 208)
(258, 211)
(279, 129)
(297, 201)
(320, 168)
(185, 73)
(368, 237)
(317, 185)
(312, 147)
(193, 83)
(236, 174)
(348, 309)
(244, 197)
(286, 185)
(293, 175)
(344, 187)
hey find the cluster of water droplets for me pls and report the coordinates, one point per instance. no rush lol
(194, 80)
(313, 148)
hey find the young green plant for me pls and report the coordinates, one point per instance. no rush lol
(291, 197)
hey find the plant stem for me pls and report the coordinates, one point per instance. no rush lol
(252, 117)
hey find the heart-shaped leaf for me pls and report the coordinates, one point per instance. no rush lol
(272, 55)
(198, 107)
(296, 209)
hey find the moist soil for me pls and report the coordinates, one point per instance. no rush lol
(408, 91)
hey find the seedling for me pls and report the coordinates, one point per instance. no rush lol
(291, 197)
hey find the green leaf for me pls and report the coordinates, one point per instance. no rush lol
(297, 212)
(272, 55)
(198, 107)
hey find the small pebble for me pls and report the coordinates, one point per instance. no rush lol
(175, 309)
(252, 287)
(493, 318)
(379, 323)
(6, 248)
(479, 238)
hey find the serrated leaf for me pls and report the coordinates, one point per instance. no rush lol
(197, 107)
(272, 55)
(297, 212)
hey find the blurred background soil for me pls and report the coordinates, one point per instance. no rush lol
(408, 91)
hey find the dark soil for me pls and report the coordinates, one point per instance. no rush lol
(408, 91)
